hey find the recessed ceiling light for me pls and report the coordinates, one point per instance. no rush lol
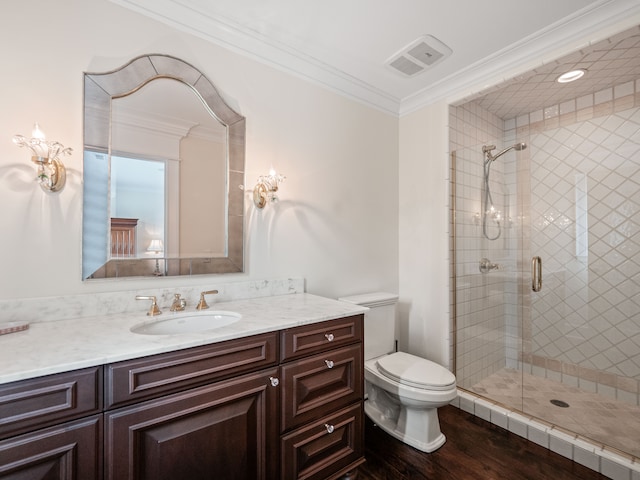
(571, 76)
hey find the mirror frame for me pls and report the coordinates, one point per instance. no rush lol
(99, 90)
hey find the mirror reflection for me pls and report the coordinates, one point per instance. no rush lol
(157, 196)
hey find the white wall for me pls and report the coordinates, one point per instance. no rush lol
(424, 233)
(336, 224)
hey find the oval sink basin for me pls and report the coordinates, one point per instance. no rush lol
(192, 322)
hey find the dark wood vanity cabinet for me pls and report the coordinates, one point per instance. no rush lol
(284, 404)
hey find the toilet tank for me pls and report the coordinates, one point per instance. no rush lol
(379, 322)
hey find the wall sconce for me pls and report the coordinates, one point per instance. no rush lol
(51, 172)
(156, 248)
(266, 188)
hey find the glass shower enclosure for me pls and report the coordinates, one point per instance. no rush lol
(546, 263)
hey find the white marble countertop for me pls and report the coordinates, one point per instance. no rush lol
(53, 347)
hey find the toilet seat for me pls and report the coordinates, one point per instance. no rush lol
(415, 372)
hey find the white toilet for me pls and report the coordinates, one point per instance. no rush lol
(404, 391)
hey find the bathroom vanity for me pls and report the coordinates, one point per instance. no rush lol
(278, 398)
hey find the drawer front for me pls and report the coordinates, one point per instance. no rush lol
(300, 341)
(140, 379)
(325, 448)
(44, 401)
(321, 383)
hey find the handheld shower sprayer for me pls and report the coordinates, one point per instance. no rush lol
(487, 203)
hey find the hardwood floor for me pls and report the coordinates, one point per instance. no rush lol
(475, 449)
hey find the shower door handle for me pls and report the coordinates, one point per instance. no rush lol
(536, 274)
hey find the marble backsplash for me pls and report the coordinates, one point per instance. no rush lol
(47, 309)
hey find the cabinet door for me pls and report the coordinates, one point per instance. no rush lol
(71, 451)
(224, 430)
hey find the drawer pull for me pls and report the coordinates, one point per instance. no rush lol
(329, 337)
(329, 363)
(274, 381)
(330, 428)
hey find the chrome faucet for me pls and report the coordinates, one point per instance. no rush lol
(178, 304)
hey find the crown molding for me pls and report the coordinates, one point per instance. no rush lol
(602, 18)
(247, 42)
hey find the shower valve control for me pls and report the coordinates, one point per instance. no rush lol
(486, 265)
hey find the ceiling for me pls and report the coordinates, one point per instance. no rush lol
(613, 61)
(346, 44)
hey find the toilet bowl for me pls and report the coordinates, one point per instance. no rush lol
(403, 391)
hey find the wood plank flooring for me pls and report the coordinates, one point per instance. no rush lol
(475, 449)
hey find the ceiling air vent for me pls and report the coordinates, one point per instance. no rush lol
(419, 55)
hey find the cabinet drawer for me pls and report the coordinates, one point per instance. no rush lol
(44, 401)
(300, 341)
(143, 378)
(321, 383)
(326, 448)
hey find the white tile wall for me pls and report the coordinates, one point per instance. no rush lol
(483, 342)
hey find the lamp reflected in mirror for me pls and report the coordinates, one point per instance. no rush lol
(156, 249)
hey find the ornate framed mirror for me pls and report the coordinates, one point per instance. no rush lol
(163, 161)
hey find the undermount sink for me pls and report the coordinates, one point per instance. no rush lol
(192, 322)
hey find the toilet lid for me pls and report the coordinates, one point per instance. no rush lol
(416, 372)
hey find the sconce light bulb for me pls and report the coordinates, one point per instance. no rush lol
(37, 132)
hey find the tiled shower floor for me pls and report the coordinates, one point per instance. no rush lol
(602, 419)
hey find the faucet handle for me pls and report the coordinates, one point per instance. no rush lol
(154, 310)
(202, 304)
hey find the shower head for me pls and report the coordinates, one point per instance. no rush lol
(486, 149)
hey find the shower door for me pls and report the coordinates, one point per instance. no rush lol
(580, 355)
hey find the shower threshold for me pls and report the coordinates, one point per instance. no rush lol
(597, 417)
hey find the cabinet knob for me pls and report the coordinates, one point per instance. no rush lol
(329, 363)
(329, 336)
(330, 428)
(274, 381)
